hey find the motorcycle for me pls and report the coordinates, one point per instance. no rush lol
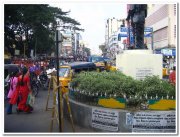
(34, 84)
(43, 79)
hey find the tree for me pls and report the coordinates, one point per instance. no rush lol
(33, 25)
(103, 48)
(88, 51)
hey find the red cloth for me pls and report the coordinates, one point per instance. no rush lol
(14, 97)
(172, 78)
(22, 92)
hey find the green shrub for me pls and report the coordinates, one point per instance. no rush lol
(116, 83)
(153, 86)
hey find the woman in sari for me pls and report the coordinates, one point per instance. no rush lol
(12, 88)
(22, 91)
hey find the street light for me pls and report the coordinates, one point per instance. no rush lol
(24, 48)
(58, 40)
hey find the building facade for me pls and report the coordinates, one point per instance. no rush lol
(163, 19)
(112, 28)
(71, 45)
(66, 47)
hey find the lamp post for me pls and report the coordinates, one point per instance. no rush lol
(24, 48)
(58, 40)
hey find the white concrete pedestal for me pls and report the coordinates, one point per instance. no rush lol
(139, 63)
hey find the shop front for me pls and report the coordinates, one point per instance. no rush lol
(169, 57)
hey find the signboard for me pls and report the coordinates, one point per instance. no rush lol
(174, 52)
(146, 29)
(125, 29)
(167, 52)
(105, 119)
(17, 52)
(154, 122)
(131, 35)
(32, 53)
(141, 73)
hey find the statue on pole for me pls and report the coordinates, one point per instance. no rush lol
(136, 15)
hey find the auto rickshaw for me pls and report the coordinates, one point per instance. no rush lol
(165, 71)
(67, 71)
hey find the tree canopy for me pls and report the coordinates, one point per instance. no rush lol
(32, 26)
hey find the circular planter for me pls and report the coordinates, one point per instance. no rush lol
(119, 120)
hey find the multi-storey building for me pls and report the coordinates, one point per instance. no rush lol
(162, 18)
(112, 26)
(70, 45)
(111, 35)
(66, 47)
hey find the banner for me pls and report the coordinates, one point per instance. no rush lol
(154, 122)
(105, 119)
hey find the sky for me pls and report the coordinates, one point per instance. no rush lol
(92, 17)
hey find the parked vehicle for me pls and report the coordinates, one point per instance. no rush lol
(102, 63)
(9, 68)
(98, 61)
(67, 71)
(165, 71)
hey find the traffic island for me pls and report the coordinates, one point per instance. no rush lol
(114, 102)
(102, 119)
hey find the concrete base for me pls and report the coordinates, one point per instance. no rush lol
(139, 63)
(120, 120)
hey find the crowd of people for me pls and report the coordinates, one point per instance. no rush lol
(20, 83)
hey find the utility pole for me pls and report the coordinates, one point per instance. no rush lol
(35, 46)
(57, 67)
(58, 40)
(24, 50)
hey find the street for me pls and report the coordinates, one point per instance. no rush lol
(116, 61)
(38, 121)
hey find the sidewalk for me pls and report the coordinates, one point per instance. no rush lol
(38, 121)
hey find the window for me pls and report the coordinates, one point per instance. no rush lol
(174, 9)
(174, 30)
(64, 72)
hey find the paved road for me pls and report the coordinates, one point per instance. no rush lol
(38, 121)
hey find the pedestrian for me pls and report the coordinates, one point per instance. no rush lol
(37, 68)
(22, 91)
(12, 88)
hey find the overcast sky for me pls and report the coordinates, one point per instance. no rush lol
(92, 17)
